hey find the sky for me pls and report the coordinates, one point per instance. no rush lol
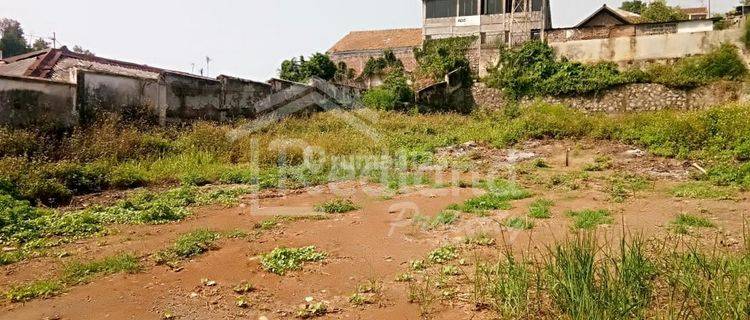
(243, 38)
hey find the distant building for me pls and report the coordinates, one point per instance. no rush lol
(357, 47)
(607, 16)
(493, 21)
(698, 13)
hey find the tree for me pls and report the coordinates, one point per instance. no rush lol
(290, 70)
(39, 44)
(635, 6)
(12, 42)
(344, 73)
(319, 65)
(81, 50)
(659, 11)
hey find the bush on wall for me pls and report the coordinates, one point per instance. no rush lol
(533, 70)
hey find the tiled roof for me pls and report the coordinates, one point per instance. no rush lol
(697, 10)
(55, 63)
(378, 40)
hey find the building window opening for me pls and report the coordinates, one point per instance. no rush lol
(536, 34)
(468, 7)
(536, 5)
(492, 6)
(440, 8)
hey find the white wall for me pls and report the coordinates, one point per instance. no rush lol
(656, 47)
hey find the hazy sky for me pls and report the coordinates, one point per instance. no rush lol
(246, 38)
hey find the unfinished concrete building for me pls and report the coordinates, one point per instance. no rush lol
(494, 22)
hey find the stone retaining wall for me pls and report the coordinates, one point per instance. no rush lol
(629, 98)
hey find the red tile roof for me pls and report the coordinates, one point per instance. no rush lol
(698, 10)
(378, 40)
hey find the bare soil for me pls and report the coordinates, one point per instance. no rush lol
(375, 243)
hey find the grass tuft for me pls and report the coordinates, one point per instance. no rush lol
(540, 209)
(187, 246)
(590, 219)
(703, 190)
(282, 260)
(338, 205)
(520, 223)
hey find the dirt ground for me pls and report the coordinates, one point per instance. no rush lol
(375, 243)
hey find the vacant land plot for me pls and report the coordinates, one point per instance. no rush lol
(534, 215)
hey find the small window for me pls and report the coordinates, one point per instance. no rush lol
(536, 34)
(468, 8)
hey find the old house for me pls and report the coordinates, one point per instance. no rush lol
(697, 13)
(358, 47)
(615, 35)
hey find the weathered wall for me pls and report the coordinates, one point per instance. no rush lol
(358, 59)
(240, 96)
(30, 102)
(100, 91)
(645, 48)
(629, 98)
(192, 98)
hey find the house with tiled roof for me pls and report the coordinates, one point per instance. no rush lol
(357, 47)
(697, 13)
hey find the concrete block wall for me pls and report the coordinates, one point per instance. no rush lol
(31, 102)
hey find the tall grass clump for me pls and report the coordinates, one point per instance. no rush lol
(505, 286)
(583, 286)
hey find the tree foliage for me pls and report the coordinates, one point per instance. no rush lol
(634, 6)
(318, 65)
(12, 42)
(438, 57)
(385, 62)
(40, 44)
(660, 11)
(394, 94)
(533, 70)
(81, 50)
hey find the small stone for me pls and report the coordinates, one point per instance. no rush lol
(193, 295)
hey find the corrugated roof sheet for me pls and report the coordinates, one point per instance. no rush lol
(379, 40)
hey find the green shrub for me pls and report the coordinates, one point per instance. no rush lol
(79, 179)
(127, 176)
(724, 62)
(533, 70)
(437, 57)
(47, 192)
(394, 94)
(19, 143)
